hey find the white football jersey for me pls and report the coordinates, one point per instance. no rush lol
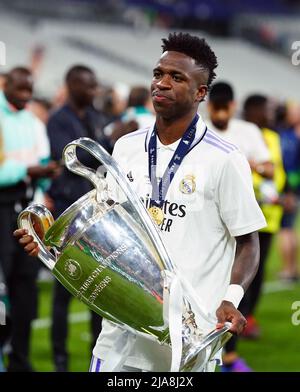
(208, 203)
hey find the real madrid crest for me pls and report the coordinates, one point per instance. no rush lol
(188, 184)
(73, 269)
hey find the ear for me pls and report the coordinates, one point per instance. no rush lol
(201, 92)
(5, 84)
(233, 107)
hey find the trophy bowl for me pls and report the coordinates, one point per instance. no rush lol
(106, 250)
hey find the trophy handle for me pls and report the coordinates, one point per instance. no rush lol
(214, 340)
(45, 220)
(73, 164)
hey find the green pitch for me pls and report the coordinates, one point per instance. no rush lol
(278, 348)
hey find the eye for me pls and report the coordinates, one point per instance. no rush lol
(177, 78)
(156, 74)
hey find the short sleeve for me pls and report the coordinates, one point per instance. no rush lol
(119, 154)
(235, 196)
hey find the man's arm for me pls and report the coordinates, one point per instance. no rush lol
(265, 169)
(246, 260)
(260, 161)
(244, 268)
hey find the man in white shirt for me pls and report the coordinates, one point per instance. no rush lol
(246, 135)
(209, 202)
(200, 188)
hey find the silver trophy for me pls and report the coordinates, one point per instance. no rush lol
(107, 251)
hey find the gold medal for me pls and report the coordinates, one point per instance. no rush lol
(156, 214)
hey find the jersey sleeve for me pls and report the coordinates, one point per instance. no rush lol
(235, 197)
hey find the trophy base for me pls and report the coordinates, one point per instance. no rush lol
(196, 356)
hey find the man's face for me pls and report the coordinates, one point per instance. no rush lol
(220, 114)
(83, 88)
(2, 81)
(18, 90)
(263, 115)
(177, 86)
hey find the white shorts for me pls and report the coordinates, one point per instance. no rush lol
(97, 363)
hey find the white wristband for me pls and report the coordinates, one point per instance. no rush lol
(234, 294)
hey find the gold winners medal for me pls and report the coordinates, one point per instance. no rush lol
(156, 214)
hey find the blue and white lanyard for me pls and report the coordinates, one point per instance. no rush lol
(160, 189)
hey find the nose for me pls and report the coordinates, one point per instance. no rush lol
(92, 92)
(25, 96)
(164, 83)
(222, 115)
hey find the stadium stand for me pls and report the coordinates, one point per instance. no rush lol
(121, 54)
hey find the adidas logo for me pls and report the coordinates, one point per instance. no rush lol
(129, 176)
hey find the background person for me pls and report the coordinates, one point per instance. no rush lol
(25, 161)
(77, 118)
(257, 109)
(247, 136)
(138, 114)
(289, 131)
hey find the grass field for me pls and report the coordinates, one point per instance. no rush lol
(277, 349)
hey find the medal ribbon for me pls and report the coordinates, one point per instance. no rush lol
(159, 190)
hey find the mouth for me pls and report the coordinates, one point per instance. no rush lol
(157, 97)
(221, 127)
(20, 105)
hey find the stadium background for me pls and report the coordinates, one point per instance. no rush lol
(120, 40)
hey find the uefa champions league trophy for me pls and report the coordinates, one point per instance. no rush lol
(107, 251)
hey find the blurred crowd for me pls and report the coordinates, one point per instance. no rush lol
(33, 133)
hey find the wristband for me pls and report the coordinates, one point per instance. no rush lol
(234, 294)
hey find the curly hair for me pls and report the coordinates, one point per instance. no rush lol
(221, 93)
(194, 47)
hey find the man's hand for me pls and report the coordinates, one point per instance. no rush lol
(52, 170)
(228, 312)
(27, 241)
(289, 202)
(49, 202)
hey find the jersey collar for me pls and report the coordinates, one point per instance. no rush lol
(200, 131)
